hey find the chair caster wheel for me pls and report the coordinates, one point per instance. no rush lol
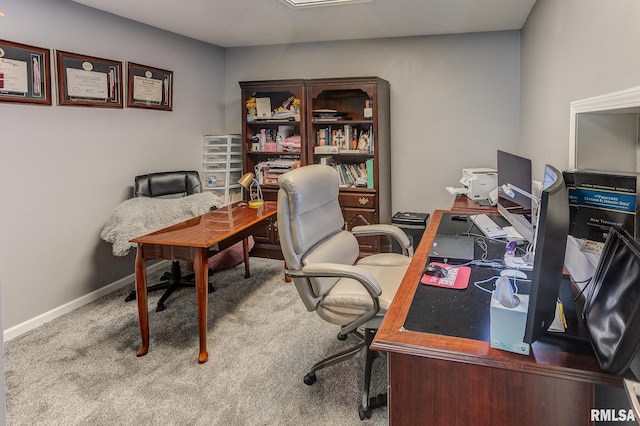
(310, 379)
(160, 307)
(342, 337)
(364, 414)
(130, 297)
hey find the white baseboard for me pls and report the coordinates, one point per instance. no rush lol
(32, 323)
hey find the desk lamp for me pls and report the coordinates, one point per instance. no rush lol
(510, 190)
(248, 181)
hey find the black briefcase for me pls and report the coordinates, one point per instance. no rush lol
(612, 309)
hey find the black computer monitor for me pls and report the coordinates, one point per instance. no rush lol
(515, 170)
(550, 246)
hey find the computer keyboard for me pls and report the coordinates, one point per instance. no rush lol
(487, 226)
(523, 221)
(513, 235)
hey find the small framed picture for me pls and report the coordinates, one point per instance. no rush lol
(149, 87)
(88, 81)
(25, 73)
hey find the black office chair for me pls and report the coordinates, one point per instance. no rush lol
(168, 185)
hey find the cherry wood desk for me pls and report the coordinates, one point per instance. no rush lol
(464, 204)
(195, 240)
(437, 379)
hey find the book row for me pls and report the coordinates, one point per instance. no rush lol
(355, 174)
(347, 137)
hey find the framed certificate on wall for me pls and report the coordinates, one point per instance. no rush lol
(25, 74)
(149, 87)
(88, 81)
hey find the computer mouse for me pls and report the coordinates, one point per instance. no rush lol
(512, 273)
(435, 270)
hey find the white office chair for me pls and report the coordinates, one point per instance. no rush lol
(322, 259)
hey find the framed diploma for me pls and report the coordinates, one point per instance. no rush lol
(149, 87)
(88, 81)
(25, 73)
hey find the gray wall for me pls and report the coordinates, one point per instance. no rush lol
(454, 100)
(64, 169)
(572, 50)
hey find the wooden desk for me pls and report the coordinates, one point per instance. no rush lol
(444, 380)
(464, 204)
(195, 240)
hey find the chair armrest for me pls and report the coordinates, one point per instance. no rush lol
(383, 229)
(364, 277)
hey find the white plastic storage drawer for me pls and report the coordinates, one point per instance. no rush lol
(234, 177)
(214, 167)
(215, 180)
(220, 192)
(235, 157)
(218, 158)
(217, 140)
(235, 163)
(215, 149)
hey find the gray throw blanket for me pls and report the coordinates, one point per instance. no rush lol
(139, 216)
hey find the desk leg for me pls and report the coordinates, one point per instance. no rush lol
(141, 298)
(200, 269)
(245, 252)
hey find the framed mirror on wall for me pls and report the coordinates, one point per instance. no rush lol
(603, 132)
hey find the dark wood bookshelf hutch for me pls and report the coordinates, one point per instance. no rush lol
(353, 108)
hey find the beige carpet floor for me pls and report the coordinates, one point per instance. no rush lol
(82, 369)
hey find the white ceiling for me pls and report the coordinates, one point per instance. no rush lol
(235, 23)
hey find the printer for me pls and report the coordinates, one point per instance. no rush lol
(478, 183)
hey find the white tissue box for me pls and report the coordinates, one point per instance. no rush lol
(507, 326)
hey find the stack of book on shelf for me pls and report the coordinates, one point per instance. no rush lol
(291, 144)
(269, 171)
(355, 174)
(327, 114)
(287, 114)
(344, 139)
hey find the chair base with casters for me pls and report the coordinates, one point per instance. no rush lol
(362, 349)
(171, 281)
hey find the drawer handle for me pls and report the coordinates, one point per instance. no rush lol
(363, 201)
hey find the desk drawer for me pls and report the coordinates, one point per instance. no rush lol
(360, 200)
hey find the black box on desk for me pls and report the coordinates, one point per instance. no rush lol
(599, 200)
(413, 224)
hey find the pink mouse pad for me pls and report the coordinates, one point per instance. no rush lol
(457, 277)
